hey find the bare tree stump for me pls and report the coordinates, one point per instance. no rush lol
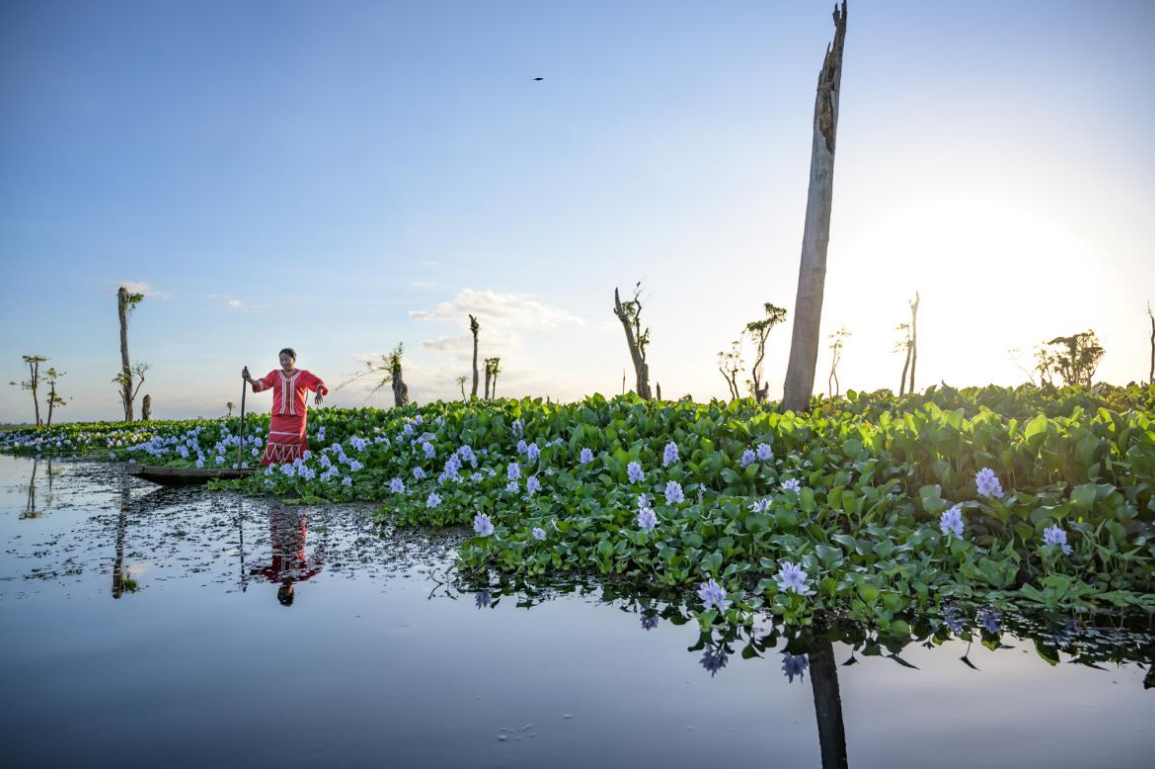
(146, 408)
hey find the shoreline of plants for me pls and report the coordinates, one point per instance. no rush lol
(865, 509)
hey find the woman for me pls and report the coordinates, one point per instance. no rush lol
(290, 403)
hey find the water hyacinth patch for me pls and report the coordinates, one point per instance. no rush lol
(713, 595)
(988, 484)
(647, 519)
(482, 526)
(1054, 535)
(791, 578)
(951, 522)
(635, 473)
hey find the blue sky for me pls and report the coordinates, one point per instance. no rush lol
(341, 177)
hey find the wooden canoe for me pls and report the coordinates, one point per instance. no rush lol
(186, 476)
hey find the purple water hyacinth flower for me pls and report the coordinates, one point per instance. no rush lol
(482, 526)
(649, 621)
(518, 427)
(765, 452)
(748, 457)
(533, 452)
(429, 450)
(433, 500)
(346, 481)
(670, 454)
(635, 473)
(538, 533)
(791, 578)
(714, 660)
(760, 506)
(513, 471)
(482, 599)
(712, 594)
(467, 455)
(951, 522)
(791, 484)
(647, 519)
(586, 456)
(1054, 535)
(674, 493)
(532, 484)
(522, 447)
(953, 621)
(418, 473)
(990, 620)
(397, 486)
(988, 483)
(511, 487)
(794, 665)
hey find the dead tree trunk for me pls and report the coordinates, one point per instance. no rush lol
(146, 408)
(496, 371)
(816, 233)
(1151, 373)
(659, 390)
(905, 368)
(641, 368)
(488, 375)
(913, 340)
(400, 389)
(51, 402)
(122, 307)
(474, 327)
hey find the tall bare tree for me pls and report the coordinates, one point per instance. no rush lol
(729, 364)
(1151, 372)
(837, 340)
(126, 302)
(474, 327)
(496, 371)
(816, 232)
(461, 380)
(388, 368)
(488, 375)
(32, 383)
(903, 345)
(54, 399)
(637, 338)
(759, 331)
(913, 340)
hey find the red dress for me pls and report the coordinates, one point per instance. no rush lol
(290, 404)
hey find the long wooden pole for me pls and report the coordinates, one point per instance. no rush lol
(241, 437)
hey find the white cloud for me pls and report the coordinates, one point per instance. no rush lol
(236, 304)
(497, 310)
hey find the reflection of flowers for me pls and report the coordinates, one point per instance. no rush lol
(483, 599)
(953, 621)
(714, 660)
(649, 621)
(990, 620)
(794, 665)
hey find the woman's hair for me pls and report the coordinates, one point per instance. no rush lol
(288, 351)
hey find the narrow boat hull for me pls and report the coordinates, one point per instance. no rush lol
(186, 476)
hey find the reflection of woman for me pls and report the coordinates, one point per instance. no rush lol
(289, 564)
(290, 386)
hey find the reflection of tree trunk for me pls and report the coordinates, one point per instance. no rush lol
(827, 703)
(32, 491)
(119, 575)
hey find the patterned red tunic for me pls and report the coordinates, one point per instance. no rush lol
(290, 405)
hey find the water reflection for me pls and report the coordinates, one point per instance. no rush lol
(31, 508)
(289, 561)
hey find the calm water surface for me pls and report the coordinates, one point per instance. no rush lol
(141, 626)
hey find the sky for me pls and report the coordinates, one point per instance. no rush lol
(344, 177)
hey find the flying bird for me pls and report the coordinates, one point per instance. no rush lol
(539, 78)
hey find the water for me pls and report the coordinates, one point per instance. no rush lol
(141, 625)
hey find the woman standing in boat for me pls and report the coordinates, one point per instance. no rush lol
(290, 403)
